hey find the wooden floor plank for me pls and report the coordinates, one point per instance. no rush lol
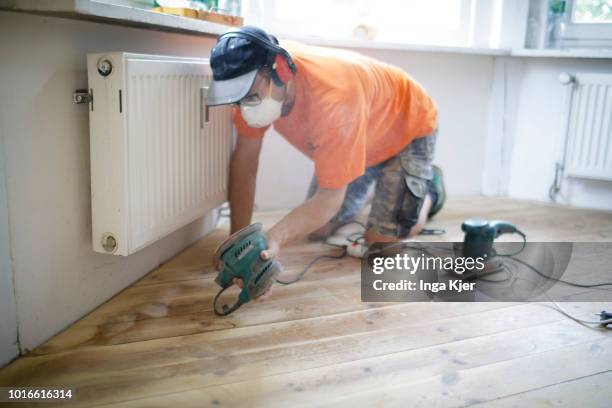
(592, 391)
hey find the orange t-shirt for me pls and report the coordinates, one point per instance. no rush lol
(350, 112)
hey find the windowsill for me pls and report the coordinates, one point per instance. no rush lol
(379, 45)
(495, 52)
(115, 14)
(599, 53)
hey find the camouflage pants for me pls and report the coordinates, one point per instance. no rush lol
(401, 184)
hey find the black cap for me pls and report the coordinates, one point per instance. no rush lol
(235, 60)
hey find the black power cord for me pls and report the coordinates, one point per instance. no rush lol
(352, 238)
(313, 262)
(575, 284)
(605, 317)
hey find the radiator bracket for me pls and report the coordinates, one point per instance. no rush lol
(82, 96)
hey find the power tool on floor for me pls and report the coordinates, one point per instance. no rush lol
(240, 255)
(478, 243)
(480, 234)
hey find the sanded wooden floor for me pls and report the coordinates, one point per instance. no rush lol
(158, 343)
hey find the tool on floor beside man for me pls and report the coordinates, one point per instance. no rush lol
(240, 258)
(480, 234)
(478, 243)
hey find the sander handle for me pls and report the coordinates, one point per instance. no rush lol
(502, 227)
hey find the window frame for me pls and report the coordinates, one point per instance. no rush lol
(586, 34)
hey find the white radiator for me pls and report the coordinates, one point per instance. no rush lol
(159, 157)
(588, 151)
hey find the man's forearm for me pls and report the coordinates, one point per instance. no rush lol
(307, 217)
(241, 193)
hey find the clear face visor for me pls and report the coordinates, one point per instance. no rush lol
(253, 99)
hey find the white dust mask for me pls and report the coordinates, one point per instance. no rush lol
(262, 114)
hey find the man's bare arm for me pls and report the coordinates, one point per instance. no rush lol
(304, 219)
(243, 173)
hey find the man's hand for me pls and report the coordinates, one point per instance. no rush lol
(321, 234)
(271, 252)
(217, 263)
(265, 255)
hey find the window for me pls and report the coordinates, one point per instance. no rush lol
(444, 22)
(592, 11)
(589, 23)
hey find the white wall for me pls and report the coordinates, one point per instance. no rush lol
(503, 99)
(8, 311)
(460, 85)
(283, 176)
(58, 278)
(538, 133)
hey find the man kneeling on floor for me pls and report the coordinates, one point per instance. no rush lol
(361, 121)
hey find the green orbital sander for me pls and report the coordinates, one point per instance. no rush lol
(240, 255)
